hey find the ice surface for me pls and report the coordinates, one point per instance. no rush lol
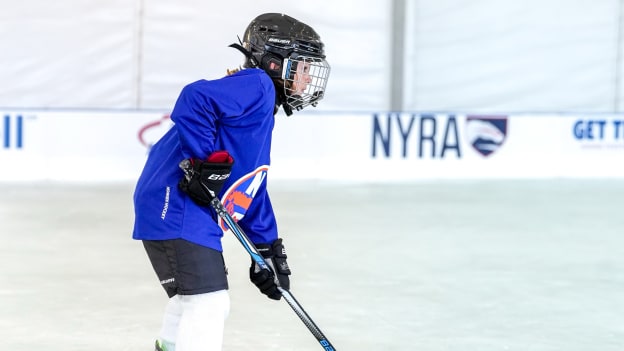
(466, 266)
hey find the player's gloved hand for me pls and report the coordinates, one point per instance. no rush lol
(275, 256)
(203, 180)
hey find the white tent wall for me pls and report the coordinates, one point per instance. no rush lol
(618, 104)
(187, 41)
(488, 55)
(68, 53)
(139, 54)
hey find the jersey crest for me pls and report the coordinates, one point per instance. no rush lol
(239, 195)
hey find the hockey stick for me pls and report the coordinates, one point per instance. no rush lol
(258, 259)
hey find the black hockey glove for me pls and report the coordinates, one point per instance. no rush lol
(275, 256)
(203, 180)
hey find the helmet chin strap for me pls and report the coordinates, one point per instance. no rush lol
(287, 109)
(281, 99)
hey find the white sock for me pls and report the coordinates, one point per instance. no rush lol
(203, 320)
(171, 320)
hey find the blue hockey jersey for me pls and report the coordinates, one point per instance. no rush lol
(234, 113)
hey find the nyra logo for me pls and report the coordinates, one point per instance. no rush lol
(486, 134)
(424, 136)
(238, 197)
(435, 136)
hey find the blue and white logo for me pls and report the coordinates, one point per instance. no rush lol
(486, 134)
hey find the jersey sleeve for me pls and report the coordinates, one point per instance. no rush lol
(194, 117)
(203, 105)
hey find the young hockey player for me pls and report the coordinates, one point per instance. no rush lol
(222, 137)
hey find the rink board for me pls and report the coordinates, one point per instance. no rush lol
(113, 145)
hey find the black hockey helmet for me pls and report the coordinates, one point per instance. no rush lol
(292, 54)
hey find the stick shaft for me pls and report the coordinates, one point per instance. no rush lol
(258, 259)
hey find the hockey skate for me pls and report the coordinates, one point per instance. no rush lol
(158, 346)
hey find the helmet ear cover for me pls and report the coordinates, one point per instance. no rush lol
(272, 65)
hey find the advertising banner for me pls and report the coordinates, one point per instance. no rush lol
(76, 145)
(385, 146)
(412, 146)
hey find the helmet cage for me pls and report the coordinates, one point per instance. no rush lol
(292, 54)
(305, 79)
